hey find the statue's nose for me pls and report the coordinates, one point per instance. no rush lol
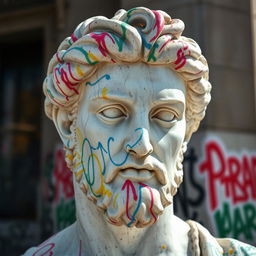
(142, 146)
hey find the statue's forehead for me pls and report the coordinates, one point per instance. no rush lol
(135, 79)
(138, 71)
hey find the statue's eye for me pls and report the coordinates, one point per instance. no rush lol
(112, 113)
(164, 116)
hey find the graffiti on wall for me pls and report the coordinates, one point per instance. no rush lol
(231, 183)
(187, 204)
(224, 189)
(64, 204)
(58, 207)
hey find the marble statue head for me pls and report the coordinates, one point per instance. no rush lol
(125, 95)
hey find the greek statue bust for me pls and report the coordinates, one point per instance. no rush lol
(125, 95)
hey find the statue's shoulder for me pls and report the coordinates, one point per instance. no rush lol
(235, 247)
(64, 243)
(202, 243)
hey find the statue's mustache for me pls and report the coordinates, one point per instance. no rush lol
(150, 164)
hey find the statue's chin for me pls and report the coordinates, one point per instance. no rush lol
(138, 222)
(137, 205)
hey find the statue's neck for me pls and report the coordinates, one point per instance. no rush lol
(128, 239)
(101, 238)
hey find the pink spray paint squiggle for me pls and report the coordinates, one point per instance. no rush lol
(129, 185)
(158, 25)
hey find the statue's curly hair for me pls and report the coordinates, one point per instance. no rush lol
(137, 35)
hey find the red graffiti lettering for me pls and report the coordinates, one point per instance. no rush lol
(237, 176)
(62, 176)
(213, 175)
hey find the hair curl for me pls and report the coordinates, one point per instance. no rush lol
(130, 36)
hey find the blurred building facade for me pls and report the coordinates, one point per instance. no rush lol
(36, 196)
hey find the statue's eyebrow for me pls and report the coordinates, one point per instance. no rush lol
(120, 97)
(175, 103)
(168, 100)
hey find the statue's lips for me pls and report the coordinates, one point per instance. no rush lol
(136, 175)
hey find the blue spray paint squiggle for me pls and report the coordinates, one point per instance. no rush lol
(137, 208)
(107, 76)
(90, 177)
(142, 185)
(127, 146)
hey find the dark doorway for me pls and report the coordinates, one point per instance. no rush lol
(21, 69)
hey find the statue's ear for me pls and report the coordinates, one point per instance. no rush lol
(62, 123)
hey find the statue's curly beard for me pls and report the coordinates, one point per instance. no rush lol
(127, 202)
(131, 203)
